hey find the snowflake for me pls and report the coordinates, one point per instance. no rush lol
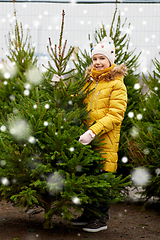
(5, 181)
(140, 176)
(130, 114)
(47, 106)
(32, 140)
(139, 116)
(3, 128)
(146, 151)
(2, 162)
(124, 159)
(34, 76)
(19, 128)
(137, 86)
(70, 102)
(134, 131)
(7, 75)
(71, 149)
(45, 123)
(26, 92)
(76, 200)
(55, 182)
(5, 83)
(12, 97)
(157, 171)
(27, 86)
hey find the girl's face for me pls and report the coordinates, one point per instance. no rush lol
(100, 62)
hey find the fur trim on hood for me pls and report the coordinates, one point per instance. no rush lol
(117, 71)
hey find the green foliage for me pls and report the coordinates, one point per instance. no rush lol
(21, 57)
(124, 55)
(144, 145)
(42, 162)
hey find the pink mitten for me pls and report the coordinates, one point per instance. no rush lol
(87, 137)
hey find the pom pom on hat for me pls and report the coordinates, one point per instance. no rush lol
(105, 47)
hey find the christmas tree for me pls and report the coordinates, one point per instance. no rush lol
(42, 162)
(144, 143)
(21, 56)
(131, 80)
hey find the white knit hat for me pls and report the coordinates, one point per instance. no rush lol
(105, 47)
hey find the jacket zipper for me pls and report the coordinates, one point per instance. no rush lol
(96, 100)
(92, 101)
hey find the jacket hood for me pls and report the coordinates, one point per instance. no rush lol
(117, 71)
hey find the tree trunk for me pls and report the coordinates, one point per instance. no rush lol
(48, 217)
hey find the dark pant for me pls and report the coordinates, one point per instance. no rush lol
(102, 209)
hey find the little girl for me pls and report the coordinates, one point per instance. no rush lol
(107, 102)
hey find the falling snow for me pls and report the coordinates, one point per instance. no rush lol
(32, 140)
(5, 181)
(12, 97)
(5, 82)
(137, 86)
(2, 162)
(7, 75)
(157, 171)
(20, 129)
(130, 114)
(55, 182)
(139, 116)
(78, 168)
(76, 200)
(150, 128)
(45, 123)
(47, 106)
(27, 86)
(70, 102)
(26, 92)
(124, 159)
(134, 131)
(140, 176)
(3, 128)
(146, 151)
(34, 76)
(71, 149)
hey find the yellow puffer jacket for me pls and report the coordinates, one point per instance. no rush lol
(107, 103)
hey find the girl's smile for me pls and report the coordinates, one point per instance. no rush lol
(100, 62)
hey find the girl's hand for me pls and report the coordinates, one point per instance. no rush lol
(87, 137)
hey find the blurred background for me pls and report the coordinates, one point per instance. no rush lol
(43, 19)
